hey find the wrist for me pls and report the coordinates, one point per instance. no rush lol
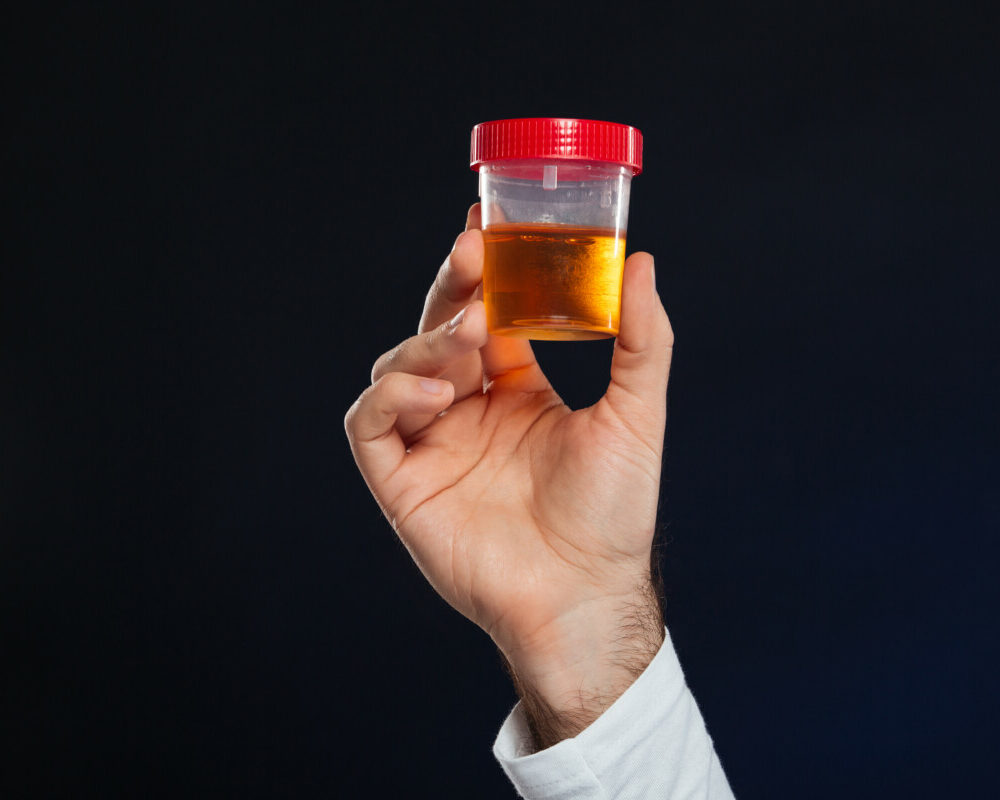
(569, 671)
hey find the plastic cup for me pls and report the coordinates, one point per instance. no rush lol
(554, 196)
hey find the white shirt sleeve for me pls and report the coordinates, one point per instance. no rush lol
(651, 743)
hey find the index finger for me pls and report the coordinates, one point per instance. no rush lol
(507, 360)
(458, 278)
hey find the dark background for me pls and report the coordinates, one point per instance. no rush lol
(218, 219)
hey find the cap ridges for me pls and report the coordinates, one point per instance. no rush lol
(556, 138)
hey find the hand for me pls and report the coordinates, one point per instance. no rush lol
(534, 521)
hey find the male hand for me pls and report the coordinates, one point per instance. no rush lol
(534, 521)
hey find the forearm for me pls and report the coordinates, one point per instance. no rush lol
(651, 742)
(570, 672)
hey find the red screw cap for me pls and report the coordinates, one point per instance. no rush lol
(554, 138)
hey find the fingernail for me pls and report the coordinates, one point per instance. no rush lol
(456, 320)
(652, 271)
(432, 387)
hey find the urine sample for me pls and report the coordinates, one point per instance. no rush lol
(554, 197)
(552, 281)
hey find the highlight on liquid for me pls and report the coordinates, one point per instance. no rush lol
(552, 281)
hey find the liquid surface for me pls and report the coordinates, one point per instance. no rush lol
(552, 281)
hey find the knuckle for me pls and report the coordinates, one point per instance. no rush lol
(386, 386)
(451, 287)
(443, 277)
(367, 400)
(350, 418)
(399, 358)
(462, 270)
(408, 356)
(664, 328)
(438, 338)
(384, 363)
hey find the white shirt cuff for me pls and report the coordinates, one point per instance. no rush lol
(651, 742)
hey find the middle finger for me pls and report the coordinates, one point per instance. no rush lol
(435, 353)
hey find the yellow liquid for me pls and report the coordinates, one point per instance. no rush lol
(552, 281)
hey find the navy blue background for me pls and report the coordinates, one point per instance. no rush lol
(219, 219)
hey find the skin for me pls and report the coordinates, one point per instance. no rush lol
(534, 521)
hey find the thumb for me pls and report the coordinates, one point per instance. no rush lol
(641, 362)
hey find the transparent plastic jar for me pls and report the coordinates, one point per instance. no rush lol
(554, 196)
